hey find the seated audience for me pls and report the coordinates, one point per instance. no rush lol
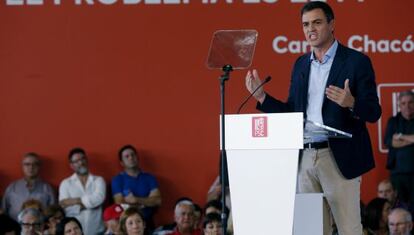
(400, 222)
(376, 219)
(53, 215)
(184, 217)
(69, 226)
(212, 224)
(387, 191)
(29, 187)
(198, 214)
(111, 217)
(31, 221)
(169, 228)
(132, 222)
(33, 203)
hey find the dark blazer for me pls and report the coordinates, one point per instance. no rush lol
(353, 156)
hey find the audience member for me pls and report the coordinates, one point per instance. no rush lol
(184, 217)
(31, 221)
(33, 203)
(399, 138)
(8, 226)
(132, 222)
(111, 217)
(169, 228)
(82, 194)
(69, 226)
(198, 214)
(53, 215)
(400, 222)
(386, 190)
(135, 187)
(376, 219)
(214, 193)
(29, 187)
(212, 224)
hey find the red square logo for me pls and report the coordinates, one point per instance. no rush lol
(259, 126)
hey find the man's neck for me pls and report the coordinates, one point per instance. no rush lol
(132, 171)
(83, 178)
(30, 181)
(319, 52)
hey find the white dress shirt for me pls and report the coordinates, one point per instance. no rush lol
(92, 197)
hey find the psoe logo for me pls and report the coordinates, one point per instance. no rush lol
(259, 126)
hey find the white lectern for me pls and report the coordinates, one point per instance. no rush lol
(262, 157)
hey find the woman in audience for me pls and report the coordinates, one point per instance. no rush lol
(376, 220)
(69, 226)
(53, 215)
(212, 224)
(132, 222)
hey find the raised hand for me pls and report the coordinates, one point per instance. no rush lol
(252, 82)
(342, 97)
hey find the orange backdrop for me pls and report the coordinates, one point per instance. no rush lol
(103, 73)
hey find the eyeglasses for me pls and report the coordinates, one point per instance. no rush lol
(80, 160)
(29, 225)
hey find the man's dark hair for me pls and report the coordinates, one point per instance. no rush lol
(75, 151)
(128, 146)
(319, 5)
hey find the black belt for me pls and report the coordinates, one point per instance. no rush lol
(316, 145)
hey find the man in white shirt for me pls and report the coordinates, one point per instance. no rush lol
(82, 194)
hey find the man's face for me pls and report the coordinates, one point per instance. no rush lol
(185, 217)
(386, 191)
(318, 32)
(407, 106)
(30, 167)
(31, 225)
(79, 164)
(398, 225)
(129, 159)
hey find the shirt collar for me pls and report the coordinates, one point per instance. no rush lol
(329, 54)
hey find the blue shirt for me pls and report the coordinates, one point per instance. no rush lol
(140, 186)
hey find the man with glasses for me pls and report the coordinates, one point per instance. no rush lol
(82, 194)
(31, 221)
(400, 222)
(29, 187)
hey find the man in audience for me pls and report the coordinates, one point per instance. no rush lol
(31, 221)
(135, 187)
(82, 194)
(386, 191)
(184, 217)
(400, 222)
(29, 187)
(399, 138)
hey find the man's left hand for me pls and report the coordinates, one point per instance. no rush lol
(342, 97)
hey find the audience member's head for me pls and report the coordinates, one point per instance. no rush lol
(198, 213)
(69, 226)
(406, 104)
(30, 165)
(128, 157)
(53, 215)
(33, 203)
(214, 206)
(184, 216)
(31, 221)
(132, 222)
(212, 224)
(78, 161)
(386, 191)
(8, 226)
(111, 217)
(400, 222)
(377, 212)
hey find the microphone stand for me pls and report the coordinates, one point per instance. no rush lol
(223, 78)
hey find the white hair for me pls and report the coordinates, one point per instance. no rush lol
(182, 203)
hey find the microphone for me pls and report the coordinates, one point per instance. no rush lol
(266, 80)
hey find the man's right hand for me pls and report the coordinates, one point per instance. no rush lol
(252, 82)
